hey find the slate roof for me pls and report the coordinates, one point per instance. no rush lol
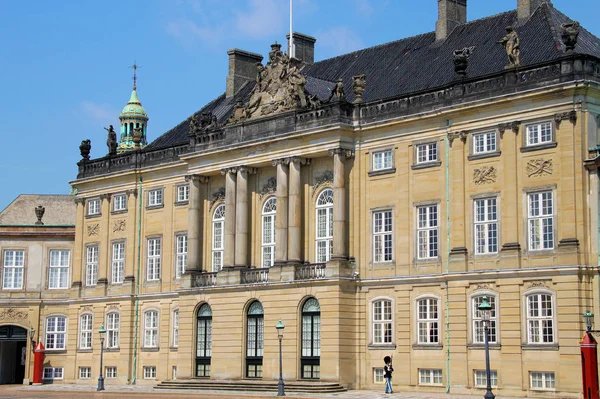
(418, 63)
(60, 210)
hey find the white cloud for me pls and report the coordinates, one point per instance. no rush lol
(264, 18)
(103, 114)
(339, 40)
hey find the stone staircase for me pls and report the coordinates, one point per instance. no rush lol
(251, 385)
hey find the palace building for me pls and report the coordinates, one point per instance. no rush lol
(368, 201)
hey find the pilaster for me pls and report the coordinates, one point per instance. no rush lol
(340, 241)
(241, 216)
(230, 209)
(511, 238)
(295, 210)
(195, 232)
(77, 247)
(458, 239)
(281, 216)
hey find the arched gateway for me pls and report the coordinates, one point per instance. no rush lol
(13, 354)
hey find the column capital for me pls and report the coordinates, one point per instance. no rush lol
(462, 135)
(300, 160)
(280, 161)
(79, 200)
(347, 153)
(514, 126)
(105, 196)
(199, 178)
(247, 169)
(232, 169)
(130, 192)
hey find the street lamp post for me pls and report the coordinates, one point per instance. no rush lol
(280, 389)
(485, 308)
(102, 331)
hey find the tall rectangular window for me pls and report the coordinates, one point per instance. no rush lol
(112, 330)
(540, 215)
(427, 231)
(85, 331)
(153, 269)
(382, 322)
(91, 265)
(155, 197)
(93, 206)
(540, 319)
(427, 153)
(119, 202)
(56, 331)
(117, 267)
(151, 329)
(181, 249)
(539, 133)
(218, 234)
(58, 276)
(428, 321)
(486, 226)
(478, 326)
(382, 236)
(14, 264)
(176, 329)
(183, 193)
(484, 142)
(382, 160)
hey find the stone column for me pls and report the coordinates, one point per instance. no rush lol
(456, 161)
(104, 250)
(229, 244)
(340, 243)
(241, 216)
(281, 217)
(195, 222)
(511, 195)
(295, 210)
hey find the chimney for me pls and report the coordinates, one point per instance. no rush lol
(526, 8)
(242, 68)
(304, 46)
(451, 13)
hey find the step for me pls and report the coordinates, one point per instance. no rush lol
(249, 385)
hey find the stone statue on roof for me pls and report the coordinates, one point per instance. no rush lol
(569, 35)
(111, 140)
(337, 93)
(511, 44)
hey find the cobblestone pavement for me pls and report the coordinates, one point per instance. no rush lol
(68, 391)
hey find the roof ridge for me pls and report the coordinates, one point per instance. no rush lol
(545, 9)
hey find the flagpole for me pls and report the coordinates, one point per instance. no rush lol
(291, 34)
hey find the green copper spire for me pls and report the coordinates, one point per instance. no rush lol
(133, 118)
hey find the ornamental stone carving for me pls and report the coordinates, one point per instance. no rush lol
(13, 315)
(514, 126)
(569, 34)
(201, 179)
(512, 47)
(359, 83)
(323, 180)
(571, 116)
(484, 175)
(39, 213)
(539, 167)
(93, 229)
(462, 135)
(84, 149)
(119, 225)
(279, 87)
(337, 93)
(218, 195)
(269, 188)
(342, 151)
(461, 60)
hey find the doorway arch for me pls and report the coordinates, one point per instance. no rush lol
(13, 354)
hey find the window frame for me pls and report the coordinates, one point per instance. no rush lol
(527, 318)
(175, 329)
(93, 210)
(378, 375)
(383, 322)
(154, 260)
(182, 193)
(155, 198)
(218, 249)
(487, 134)
(180, 255)
(431, 374)
(428, 230)
(527, 138)
(327, 239)
(113, 330)
(149, 372)
(58, 268)
(14, 267)
(91, 264)
(86, 331)
(539, 224)
(544, 379)
(117, 266)
(429, 147)
(112, 374)
(56, 333)
(494, 337)
(428, 321)
(115, 202)
(151, 331)
(203, 354)
(383, 234)
(384, 167)
(268, 248)
(493, 376)
(89, 372)
(487, 223)
(54, 370)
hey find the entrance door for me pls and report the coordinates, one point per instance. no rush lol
(13, 354)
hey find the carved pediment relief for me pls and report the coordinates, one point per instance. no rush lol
(13, 315)
(269, 188)
(539, 167)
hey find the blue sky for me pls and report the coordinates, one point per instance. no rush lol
(64, 64)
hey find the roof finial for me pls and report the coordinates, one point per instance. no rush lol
(135, 67)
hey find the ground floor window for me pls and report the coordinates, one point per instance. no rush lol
(542, 380)
(481, 378)
(111, 372)
(149, 372)
(85, 373)
(174, 373)
(378, 375)
(53, 373)
(430, 377)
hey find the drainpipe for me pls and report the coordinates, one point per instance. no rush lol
(137, 284)
(447, 170)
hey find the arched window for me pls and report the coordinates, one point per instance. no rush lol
(85, 331)
(268, 232)
(113, 321)
(478, 327)
(204, 341)
(324, 225)
(310, 360)
(254, 340)
(218, 238)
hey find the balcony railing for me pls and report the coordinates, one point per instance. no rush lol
(314, 271)
(255, 276)
(205, 280)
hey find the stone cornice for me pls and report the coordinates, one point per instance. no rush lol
(197, 178)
